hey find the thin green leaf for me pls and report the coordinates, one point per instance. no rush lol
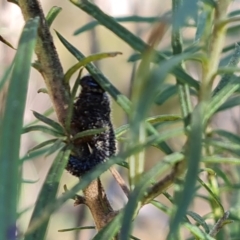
(85, 61)
(164, 136)
(212, 194)
(221, 160)
(76, 86)
(153, 120)
(124, 164)
(134, 238)
(163, 146)
(229, 47)
(211, 3)
(168, 197)
(56, 146)
(232, 30)
(52, 14)
(226, 146)
(201, 24)
(199, 220)
(3, 40)
(153, 85)
(220, 97)
(203, 197)
(11, 128)
(235, 213)
(226, 79)
(35, 154)
(48, 112)
(71, 104)
(197, 232)
(230, 103)
(135, 57)
(48, 193)
(86, 27)
(76, 229)
(234, 13)
(193, 159)
(89, 132)
(164, 118)
(94, 24)
(43, 129)
(43, 144)
(228, 135)
(184, 78)
(222, 174)
(162, 207)
(49, 122)
(166, 93)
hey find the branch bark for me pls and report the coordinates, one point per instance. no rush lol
(51, 67)
(97, 202)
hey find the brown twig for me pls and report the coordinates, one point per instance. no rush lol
(219, 225)
(120, 181)
(163, 184)
(98, 203)
(79, 200)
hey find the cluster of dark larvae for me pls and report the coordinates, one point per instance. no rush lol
(91, 111)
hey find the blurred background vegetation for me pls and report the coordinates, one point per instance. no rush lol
(150, 224)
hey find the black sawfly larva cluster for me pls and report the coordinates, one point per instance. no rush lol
(91, 111)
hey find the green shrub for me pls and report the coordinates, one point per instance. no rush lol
(206, 149)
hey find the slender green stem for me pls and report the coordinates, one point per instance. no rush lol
(136, 161)
(210, 68)
(217, 39)
(183, 89)
(137, 122)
